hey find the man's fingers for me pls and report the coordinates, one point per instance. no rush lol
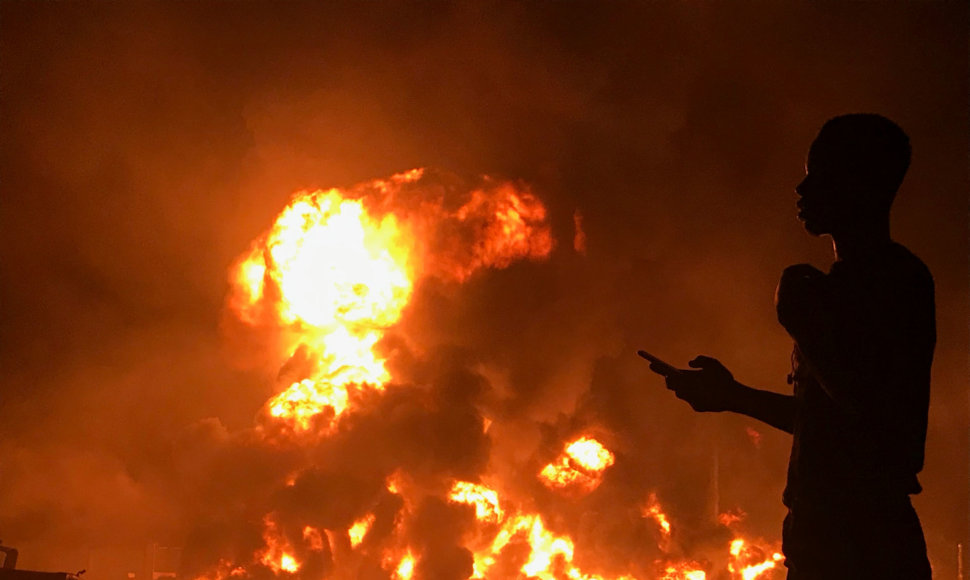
(702, 362)
(661, 368)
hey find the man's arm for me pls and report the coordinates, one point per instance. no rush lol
(712, 388)
(769, 407)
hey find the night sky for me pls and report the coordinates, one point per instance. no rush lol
(145, 145)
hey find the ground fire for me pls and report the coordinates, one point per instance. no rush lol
(330, 280)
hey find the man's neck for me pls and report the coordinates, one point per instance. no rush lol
(862, 240)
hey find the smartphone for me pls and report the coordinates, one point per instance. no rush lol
(666, 369)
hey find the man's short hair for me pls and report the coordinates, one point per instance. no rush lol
(871, 146)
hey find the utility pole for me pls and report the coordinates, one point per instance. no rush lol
(959, 561)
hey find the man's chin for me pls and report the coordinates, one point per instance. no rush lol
(814, 227)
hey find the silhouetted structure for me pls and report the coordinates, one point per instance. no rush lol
(9, 569)
(864, 337)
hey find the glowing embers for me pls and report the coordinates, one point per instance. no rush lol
(579, 468)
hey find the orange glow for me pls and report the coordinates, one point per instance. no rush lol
(513, 226)
(333, 274)
(580, 466)
(652, 510)
(360, 529)
(544, 546)
(340, 277)
(731, 517)
(579, 236)
(278, 553)
(484, 499)
(750, 562)
(224, 570)
(405, 569)
(754, 435)
(288, 563)
(683, 572)
(395, 482)
(313, 539)
(337, 268)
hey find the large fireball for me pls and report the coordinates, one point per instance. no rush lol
(337, 269)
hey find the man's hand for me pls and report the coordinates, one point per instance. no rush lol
(798, 296)
(711, 388)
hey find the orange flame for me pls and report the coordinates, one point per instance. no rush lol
(653, 510)
(484, 499)
(580, 466)
(337, 269)
(683, 572)
(749, 562)
(731, 517)
(278, 553)
(360, 529)
(341, 277)
(313, 539)
(405, 569)
(334, 272)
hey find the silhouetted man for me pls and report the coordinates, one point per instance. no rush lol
(864, 336)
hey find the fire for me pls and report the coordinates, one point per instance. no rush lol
(683, 572)
(313, 538)
(332, 275)
(341, 276)
(580, 466)
(731, 517)
(394, 483)
(360, 529)
(653, 510)
(278, 553)
(405, 569)
(749, 562)
(484, 499)
(544, 548)
(337, 269)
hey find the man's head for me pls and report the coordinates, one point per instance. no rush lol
(855, 165)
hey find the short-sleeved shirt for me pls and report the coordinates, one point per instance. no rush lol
(862, 434)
